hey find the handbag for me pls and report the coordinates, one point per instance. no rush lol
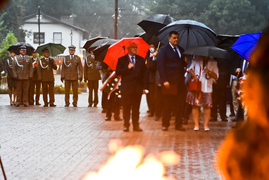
(195, 86)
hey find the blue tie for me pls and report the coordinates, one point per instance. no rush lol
(133, 61)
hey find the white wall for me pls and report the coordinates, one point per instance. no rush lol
(49, 29)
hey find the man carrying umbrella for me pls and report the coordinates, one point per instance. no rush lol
(132, 70)
(23, 72)
(171, 70)
(72, 71)
(45, 73)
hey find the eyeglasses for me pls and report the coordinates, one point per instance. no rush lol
(134, 47)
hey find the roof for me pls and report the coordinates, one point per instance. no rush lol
(55, 20)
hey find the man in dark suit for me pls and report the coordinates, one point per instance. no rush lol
(45, 74)
(132, 70)
(171, 70)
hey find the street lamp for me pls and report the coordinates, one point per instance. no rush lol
(38, 25)
(116, 19)
(71, 35)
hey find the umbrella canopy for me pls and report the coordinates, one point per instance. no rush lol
(53, 48)
(91, 41)
(16, 47)
(100, 51)
(149, 38)
(119, 49)
(101, 42)
(191, 34)
(245, 44)
(154, 23)
(208, 51)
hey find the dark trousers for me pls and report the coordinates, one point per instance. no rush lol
(131, 101)
(104, 100)
(240, 113)
(93, 89)
(48, 87)
(219, 99)
(158, 101)
(22, 87)
(151, 98)
(34, 84)
(68, 84)
(174, 101)
(113, 105)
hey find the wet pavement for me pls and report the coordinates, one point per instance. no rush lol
(66, 143)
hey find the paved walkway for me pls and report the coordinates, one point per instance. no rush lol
(66, 143)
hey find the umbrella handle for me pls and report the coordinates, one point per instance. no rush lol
(159, 45)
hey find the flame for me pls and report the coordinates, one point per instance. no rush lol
(128, 163)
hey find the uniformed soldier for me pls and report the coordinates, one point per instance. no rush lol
(11, 82)
(72, 71)
(22, 72)
(92, 75)
(45, 72)
(35, 83)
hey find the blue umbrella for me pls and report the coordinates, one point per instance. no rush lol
(245, 44)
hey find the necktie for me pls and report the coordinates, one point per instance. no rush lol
(133, 61)
(175, 49)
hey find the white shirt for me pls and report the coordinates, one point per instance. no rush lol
(197, 67)
(179, 54)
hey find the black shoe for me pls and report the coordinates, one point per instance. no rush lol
(165, 128)
(126, 129)
(108, 119)
(52, 105)
(213, 119)
(157, 118)
(95, 105)
(117, 118)
(138, 129)
(46, 105)
(37, 103)
(26, 105)
(224, 119)
(67, 105)
(75, 105)
(90, 105)
(17, 105)
(180, 128)
(31, 103)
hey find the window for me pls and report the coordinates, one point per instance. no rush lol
(57, 37)
(36, 38)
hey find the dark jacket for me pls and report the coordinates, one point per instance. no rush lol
(22, 68)
(134, 79)
(35, 74)
(45, 69)
(91, 71)
(170, 66)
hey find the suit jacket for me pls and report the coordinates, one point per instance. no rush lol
(35, 73)
(22, 68)
(90, 69)
(170, 66)
(72, 68)
(132, 80)
(45, 69)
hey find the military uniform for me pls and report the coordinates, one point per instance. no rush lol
(72, 71)
(23, 72)
(92, 75)
(34, 83)
(11, 82)
(45, 73)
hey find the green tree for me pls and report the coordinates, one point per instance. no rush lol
(11, 17)
(5, 44)
(233, 17)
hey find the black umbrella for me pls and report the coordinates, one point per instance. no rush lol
(101, 50)
(191, 34)
(208, 51)
(154, 23)
(149, 38)
(91, 41)
(101, 42)
(16, 47)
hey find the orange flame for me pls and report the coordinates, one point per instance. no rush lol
(128, 163)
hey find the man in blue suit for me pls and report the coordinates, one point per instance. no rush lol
(132, 70)
(171, 69)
